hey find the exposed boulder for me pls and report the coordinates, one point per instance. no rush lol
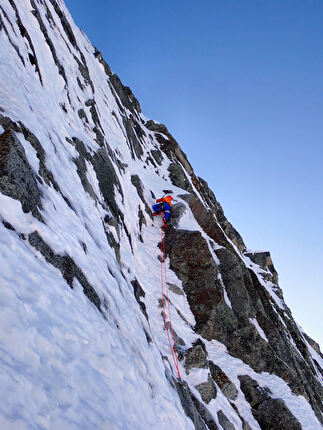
(227, 387)
(175, 289)
(67, 266)
(157, 156)
(178, 210)
(97, 54)
(206, 220)
(136, 182)
(125, 94)
(178, 177)
(169, 145)
(225, 422)
(139, 294)
(207, 390)
(263, 259)
(188, 405)
(17, 178)
(196, 356)
(271, 414)
(313, 344)
(108, 180)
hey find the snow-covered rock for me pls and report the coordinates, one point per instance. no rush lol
(83, 340)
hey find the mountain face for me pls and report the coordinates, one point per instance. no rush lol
(83, 339)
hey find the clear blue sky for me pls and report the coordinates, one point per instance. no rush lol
(240, 86)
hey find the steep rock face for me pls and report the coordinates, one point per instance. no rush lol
(81, 263)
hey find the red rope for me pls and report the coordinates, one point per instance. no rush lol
(169, 313)
(164, 281)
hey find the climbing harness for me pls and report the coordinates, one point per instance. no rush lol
(164, 287)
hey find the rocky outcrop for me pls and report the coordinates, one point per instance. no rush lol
(196, 356)
(192, 261)
(271, 414)
(169, 145)
(178, 177)
(17, 179)
(186, 398)
(206, 220)
(125, 95)
(222, 380)
(207, 390)
(225, 422)
(263, 259)
(67, 266)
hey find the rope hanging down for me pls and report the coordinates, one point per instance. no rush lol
(164, 287)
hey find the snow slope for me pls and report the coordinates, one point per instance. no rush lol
(67, 362)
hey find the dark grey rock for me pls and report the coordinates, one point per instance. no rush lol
(206, 220)
(178, 177)
(207, 390)
(252, 391)
(175, 289)
(3, 27)
(125, 95)
(81, 166)
(114, 244)
(178, 210)
(97, 54)
(133, 140)
(179, 342)
(17, 178)
(205, 414)
(142, 221)
(98, 130)
(225, 422)
(67, 266)
(193, 263)
(196, 356)
(245, 425)
(84, 71)
(188, 405)
(136, 182)
(43, 172)
(109, 221)
(271, 414)
(263, 259)
(235, 277)
(137, 127)
(157, 155)
(107, 179)
(139, 294)
(155, 126)
(313, 344)
(169, 145)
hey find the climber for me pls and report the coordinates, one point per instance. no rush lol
(164, 206)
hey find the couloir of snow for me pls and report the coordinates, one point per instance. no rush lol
(63, 364)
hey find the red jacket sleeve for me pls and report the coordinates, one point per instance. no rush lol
(159, 200)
